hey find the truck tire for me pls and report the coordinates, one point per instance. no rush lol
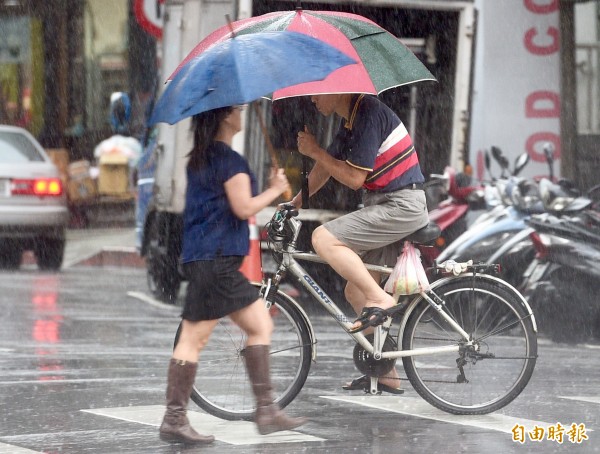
(49, 253)
(10, 255)
(162, 271)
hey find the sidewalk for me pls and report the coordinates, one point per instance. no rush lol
(102, 247)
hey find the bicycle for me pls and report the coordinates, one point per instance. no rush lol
(474, 336)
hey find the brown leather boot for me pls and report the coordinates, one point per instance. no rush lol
(176, 426)
(269, 418)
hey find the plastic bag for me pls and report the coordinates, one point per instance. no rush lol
(408, 276)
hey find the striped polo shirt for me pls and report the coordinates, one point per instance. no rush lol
(374, 139)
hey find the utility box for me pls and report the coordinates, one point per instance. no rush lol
(60, 158)
(80, 186)
(113, 178)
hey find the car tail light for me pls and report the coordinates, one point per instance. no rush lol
(38, 186)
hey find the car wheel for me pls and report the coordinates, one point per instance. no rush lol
(10, 255)
(49, 253)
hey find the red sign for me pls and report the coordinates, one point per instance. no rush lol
(149, 14)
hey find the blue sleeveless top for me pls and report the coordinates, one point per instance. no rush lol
(210, 228)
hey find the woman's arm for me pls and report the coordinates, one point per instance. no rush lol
(239, 193)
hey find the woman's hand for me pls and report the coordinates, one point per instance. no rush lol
(278, 180)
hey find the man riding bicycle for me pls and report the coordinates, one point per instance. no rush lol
(372, 150)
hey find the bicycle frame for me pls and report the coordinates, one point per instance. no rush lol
(290, 264)
(452, 327)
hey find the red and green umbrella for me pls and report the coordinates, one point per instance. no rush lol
(383, 61)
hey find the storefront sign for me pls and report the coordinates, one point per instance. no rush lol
(149, 14)
(517, 82)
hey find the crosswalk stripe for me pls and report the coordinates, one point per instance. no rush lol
(413, 406)
(593, 400)
(11, 449)
(231, 432)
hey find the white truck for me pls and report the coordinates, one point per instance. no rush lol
(441, 32)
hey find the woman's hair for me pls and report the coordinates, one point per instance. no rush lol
(205, 126)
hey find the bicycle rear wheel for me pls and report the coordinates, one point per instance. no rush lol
(222, 387)
(481, 378)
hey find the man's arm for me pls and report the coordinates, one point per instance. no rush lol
(343, 172)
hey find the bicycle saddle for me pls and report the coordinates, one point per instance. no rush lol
(425, 235)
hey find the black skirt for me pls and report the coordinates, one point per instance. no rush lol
(216, 288)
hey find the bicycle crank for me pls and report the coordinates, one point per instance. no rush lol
(370, 366)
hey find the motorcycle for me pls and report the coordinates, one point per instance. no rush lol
(497, 235)
(563, 281)
(451, 213)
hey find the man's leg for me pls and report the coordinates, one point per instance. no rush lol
(357, 300)
(350, 266)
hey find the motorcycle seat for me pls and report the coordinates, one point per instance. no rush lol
(425, 235)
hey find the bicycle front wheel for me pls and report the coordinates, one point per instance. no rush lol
(222, 387)
(486, 375)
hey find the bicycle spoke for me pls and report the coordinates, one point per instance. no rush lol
(222, 387)
(469, 382)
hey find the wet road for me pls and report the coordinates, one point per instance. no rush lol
(83, 358)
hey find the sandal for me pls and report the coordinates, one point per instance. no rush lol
(370, 316)
(364, 383)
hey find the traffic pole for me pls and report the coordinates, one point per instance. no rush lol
(252, 264)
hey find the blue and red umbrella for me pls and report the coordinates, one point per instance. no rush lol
(240, 69)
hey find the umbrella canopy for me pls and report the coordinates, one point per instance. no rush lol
(383, 61)
(244, 68)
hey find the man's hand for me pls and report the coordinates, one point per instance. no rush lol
(307, 144)
(297, 200)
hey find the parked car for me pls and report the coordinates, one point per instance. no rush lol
(33, 204)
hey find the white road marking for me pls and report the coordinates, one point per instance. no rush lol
(591, 346)
(232, 432)
(11, 449)
(153, 302)
(593, 400)
(67, 380)
(413, 406)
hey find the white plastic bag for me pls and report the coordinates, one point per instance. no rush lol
(408, 276)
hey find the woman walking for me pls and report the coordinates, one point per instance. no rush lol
(221, 196)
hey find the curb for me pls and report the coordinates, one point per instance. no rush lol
(120, 257)
(109, 256)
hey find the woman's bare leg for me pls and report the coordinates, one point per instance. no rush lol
(192, 339)
(256, 323)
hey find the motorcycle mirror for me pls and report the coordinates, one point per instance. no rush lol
(549, 151)
(486, 157)
(499, 157)
(520, 163)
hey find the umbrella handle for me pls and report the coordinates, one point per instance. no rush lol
(304, 174)
(287, 195)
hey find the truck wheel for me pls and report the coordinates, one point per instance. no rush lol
(49, 253)
(10, 255)
(161, 269)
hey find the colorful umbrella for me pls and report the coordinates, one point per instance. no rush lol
(244, 68)
(384, 62)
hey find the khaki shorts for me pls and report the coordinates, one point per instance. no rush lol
(375, 231)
